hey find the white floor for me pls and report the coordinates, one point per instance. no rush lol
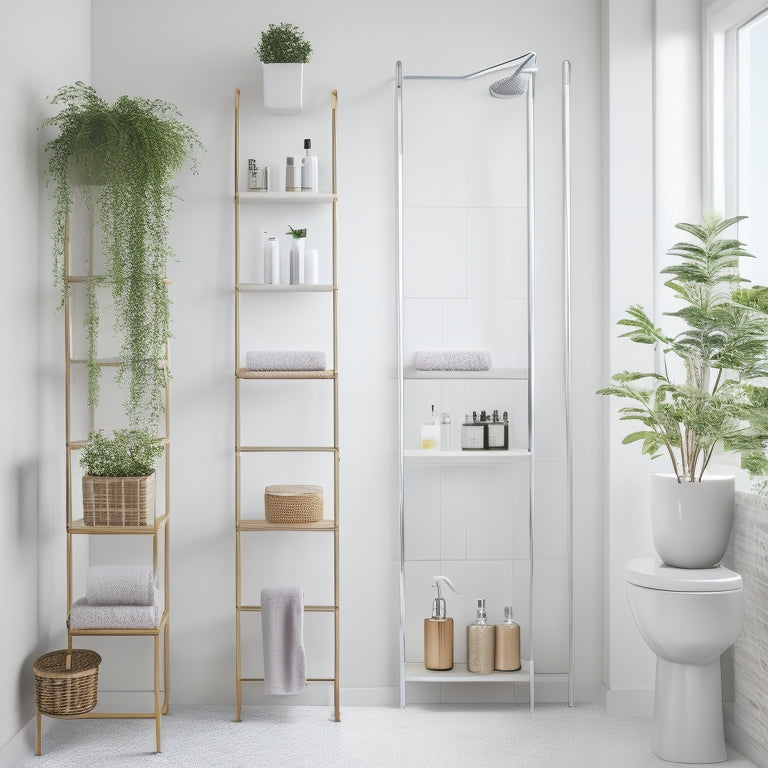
(553, 736)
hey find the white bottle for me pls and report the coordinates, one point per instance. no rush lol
(308, 169)
(430, 432)
(272, 261)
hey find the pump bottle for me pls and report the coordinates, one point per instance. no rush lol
(507, 643)
(308, 169)
(480, 642)
(438, 631)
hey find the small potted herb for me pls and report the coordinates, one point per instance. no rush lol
(283, 51)
(119, 484)
(298, 246)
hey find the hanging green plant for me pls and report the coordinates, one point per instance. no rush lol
(124, 155)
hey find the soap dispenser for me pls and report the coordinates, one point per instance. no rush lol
(438, 631)
(480, 642)
(507, 643)
(430, 432)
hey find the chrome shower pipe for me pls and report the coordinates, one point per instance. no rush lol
(568, 356)
(524, 64)
(400, 382)
(531, 201)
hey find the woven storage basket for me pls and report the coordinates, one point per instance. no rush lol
(128, 501)
(286, 504)
(61, 691)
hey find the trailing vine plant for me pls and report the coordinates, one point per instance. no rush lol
(125, 155)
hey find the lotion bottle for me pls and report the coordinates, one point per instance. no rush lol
(430, 432)
(438, 631)
(308, 169)
(507, 643)
(480, 642)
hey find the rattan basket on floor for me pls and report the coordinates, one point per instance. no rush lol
(292, 504)
(128, 501)
(66, 691)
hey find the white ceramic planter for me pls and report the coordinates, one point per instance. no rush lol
(283, 88)
(691, 522)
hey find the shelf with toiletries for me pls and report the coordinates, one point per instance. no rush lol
(417, 673)
(436, 456)
(514, 374)
(286, 337)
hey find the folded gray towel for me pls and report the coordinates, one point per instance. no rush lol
(282, 629)
(119, 585)
(85, 616)
(454, 360)
(285, 360)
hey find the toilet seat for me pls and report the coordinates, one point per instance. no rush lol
(651, 573)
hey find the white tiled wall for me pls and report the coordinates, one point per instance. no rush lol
(465, 287)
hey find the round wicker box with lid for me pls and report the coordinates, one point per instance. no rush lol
(291, 504)
(66, 683)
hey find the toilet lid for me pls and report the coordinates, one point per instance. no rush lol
(650, 572)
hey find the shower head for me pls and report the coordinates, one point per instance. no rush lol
(515, 84)
(507, 87)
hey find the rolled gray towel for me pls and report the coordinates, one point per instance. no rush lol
(285, 360)
(119, 585)
(454, 360)
(85, 616)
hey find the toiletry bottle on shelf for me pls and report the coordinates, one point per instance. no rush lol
(292, 174)
(498, 433)
(272, 261)
(480, 642)
(438, 631)
(430, 432)
(507, 643)
(308, 169)
(446, 433)
(472, 434)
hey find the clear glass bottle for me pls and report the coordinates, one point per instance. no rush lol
(472, 434)
(498, 433)
(430, 432)
(507, 643)
(480, 642)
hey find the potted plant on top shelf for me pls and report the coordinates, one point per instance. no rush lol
(283, 52)
(119, 484)
(124, 156)
(721, 353)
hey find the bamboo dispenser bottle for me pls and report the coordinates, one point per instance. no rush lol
(438, 631)
(507, 643)
(480, 642)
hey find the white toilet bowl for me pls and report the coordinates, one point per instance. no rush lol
(688, 617)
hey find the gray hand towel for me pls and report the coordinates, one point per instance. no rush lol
(287, 360)
(282, 627)
(454, 360)
(119, 585)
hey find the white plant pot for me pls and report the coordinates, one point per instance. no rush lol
(691, 522)
(283, 88)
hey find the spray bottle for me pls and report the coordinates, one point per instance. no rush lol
(438, 631)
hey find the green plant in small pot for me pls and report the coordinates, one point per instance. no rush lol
(119, 484)
(283, 51)
(721, 351)
(124, 155)
(297, 252)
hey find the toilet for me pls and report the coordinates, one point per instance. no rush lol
(688, 617)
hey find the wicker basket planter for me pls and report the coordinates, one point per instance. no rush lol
(291, 504)
(62, 689)
(119, 501)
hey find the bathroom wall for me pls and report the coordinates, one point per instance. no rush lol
(746, 712)
(195, 54)
(42, 45)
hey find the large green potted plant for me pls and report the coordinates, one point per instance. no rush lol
(124, 156)
(720, 351)
(119, 480)
(283, 52)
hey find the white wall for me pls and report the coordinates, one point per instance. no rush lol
(195, 54)
(43, 45)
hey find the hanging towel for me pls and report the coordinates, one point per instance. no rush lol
(454, 360)
(282, 628)
(119, 585)
(287, 360)
(85, 616)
